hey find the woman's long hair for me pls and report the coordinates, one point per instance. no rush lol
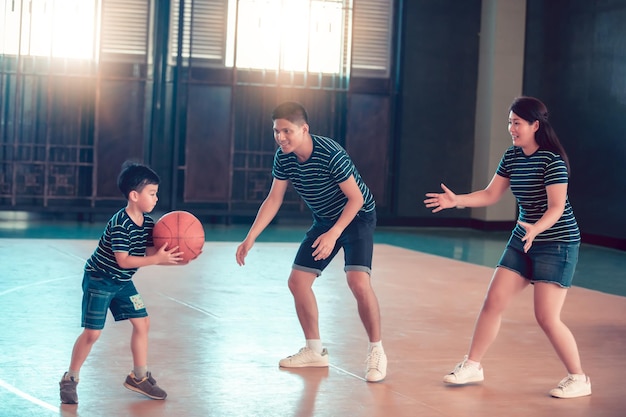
(532, 109)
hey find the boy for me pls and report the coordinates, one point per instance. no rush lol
(125, 246)
(344, 214)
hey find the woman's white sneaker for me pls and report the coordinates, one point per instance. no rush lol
(572, 386)
(464, 373)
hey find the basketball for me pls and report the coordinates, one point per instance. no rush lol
(182, 229)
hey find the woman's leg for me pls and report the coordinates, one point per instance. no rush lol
(504, 286)
(549, 299)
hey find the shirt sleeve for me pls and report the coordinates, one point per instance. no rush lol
(503, 169)
(120, 239)
(277, 169)
(556, 172)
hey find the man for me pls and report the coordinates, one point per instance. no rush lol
(344, 216)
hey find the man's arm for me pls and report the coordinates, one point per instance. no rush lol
(325, 244)
(268, 210)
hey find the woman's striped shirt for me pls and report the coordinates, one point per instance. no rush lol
(317, 179)
(121, 234)
(529, 176)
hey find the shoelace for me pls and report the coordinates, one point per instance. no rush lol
(459, 367)
(303, 351)
(373, 359)
(566, 382)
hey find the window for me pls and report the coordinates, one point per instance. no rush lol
(125, 30)
(371, 38)
(56, 28)
(299, 35)
(318, 36)
(82, 29)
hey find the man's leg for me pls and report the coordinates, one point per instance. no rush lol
(301, 287)
(369, 311)
(312, 355)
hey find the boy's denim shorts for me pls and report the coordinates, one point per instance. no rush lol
(553, 262)
(103, 294)
(357, 241)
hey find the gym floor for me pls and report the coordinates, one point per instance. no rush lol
(218, 330)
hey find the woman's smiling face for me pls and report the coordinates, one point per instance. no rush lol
(523, 133)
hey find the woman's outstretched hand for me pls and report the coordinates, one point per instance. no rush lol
(440, 201)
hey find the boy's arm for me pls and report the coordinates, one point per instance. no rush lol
(268, 210)
(154, 256)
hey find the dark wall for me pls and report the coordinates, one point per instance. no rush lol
(439, 75)
(576, 63)
(208, 133)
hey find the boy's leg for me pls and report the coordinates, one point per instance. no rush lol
(81, 350)
(97, 295)
(136, 380)
(139, 342)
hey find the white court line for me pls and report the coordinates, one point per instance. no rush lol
(47, 281)
(191, 306)
(343, 371)
(20, 287)
(28, 397)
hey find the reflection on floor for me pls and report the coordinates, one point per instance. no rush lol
(218, 331)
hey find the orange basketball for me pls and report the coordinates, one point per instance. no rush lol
(182, 229)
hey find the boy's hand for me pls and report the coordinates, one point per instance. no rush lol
(171, 256)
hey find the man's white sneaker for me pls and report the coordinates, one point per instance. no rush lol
(376, 365)
(464, 373)
(306, 358)
(572, 386)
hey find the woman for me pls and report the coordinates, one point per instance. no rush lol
(542, 249)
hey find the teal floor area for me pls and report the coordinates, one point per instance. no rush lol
(601, 269)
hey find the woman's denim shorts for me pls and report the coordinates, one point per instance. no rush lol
(553, 262)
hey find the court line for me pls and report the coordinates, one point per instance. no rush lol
(191, 306)
(28, 397)
(49, 280)
(20, 287)
(343, 371)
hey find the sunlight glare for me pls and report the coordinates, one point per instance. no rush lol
(57, 28)
(298, 35)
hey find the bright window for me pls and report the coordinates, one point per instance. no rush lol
(57, 28)
(298, 35)
(316, 36)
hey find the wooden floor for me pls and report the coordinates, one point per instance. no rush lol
(218, 331)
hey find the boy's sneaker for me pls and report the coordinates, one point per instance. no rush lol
(305, 358)
(572, 386)
(68, 390)
(464, 373)
(146, 386)
(376, 365)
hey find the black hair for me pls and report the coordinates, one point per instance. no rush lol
(134, 177)
(292, 111)
(532, 109)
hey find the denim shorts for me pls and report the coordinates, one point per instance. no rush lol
(102, 294)
(553, 262)
(357, 241)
